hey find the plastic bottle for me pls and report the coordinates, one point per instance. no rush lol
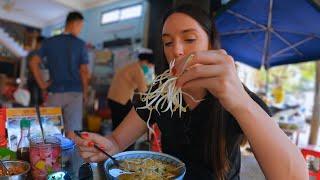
(24, 143)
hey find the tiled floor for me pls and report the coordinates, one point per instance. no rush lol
(250, 169)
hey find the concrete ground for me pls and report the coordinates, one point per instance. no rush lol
(250, 169)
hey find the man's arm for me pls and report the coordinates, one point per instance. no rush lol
(141, 82)
(34, 65)
(84, 74)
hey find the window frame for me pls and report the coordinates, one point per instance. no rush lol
(106, 12)
(120, 9)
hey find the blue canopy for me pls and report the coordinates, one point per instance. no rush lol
(270, 32)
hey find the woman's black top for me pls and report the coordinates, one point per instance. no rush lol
(182, 137)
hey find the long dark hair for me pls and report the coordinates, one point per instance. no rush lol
(215, 148)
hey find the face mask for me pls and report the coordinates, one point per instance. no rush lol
(148, 73)
(145, 69)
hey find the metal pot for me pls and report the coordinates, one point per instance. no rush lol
(20, 176)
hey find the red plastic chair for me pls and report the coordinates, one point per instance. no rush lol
(156, 139)
(3, 138)
(313, 151)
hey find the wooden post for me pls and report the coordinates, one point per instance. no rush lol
(315, 122)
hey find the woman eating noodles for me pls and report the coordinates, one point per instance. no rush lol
(220, 110)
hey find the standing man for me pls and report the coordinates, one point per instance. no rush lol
(67, 60)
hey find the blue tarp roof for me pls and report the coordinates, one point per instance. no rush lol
(270, 32)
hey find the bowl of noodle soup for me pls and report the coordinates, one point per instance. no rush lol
(146, 165)
(18, 170)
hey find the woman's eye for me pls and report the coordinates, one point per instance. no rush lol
(190, 40)
(168, 43)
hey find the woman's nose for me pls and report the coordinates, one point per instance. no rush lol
(178, 50)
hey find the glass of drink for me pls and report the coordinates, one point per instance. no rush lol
(45, 157)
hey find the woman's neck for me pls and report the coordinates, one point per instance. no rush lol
(197, 94)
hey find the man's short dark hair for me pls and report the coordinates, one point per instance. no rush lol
(74, 16)
(40, 39)
(146, 56)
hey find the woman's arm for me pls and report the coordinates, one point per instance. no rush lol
(131, 128)
(277, 156)
(215, 72)
(124, 135)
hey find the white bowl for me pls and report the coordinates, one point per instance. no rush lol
(145, 154)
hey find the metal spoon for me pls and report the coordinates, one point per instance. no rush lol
(6, 171)
(36, 98)
(115, 162)
(118, 172)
